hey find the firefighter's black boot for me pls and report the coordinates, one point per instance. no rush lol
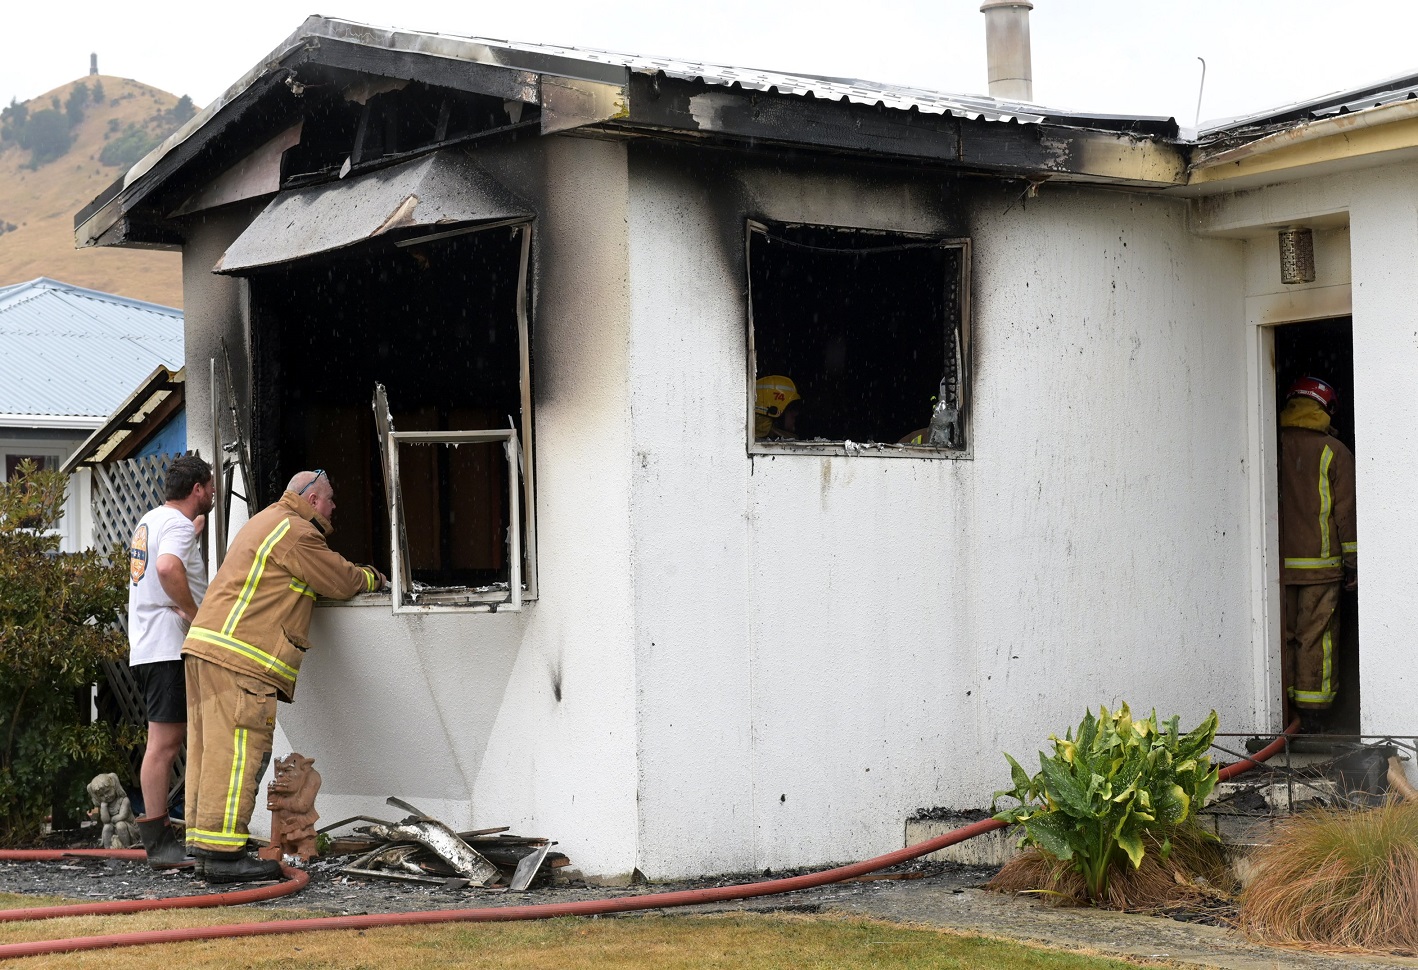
(235, 866)
(163, 849)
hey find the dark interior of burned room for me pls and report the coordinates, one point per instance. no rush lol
(863, 323)
(1325, 349)
(436, 324)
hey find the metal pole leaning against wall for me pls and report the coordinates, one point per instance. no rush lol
(218, 546)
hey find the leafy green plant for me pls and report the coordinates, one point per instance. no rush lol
(1337, 878)
(1093, 800)
(57, 613)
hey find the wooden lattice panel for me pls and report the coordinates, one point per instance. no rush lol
(123, 493)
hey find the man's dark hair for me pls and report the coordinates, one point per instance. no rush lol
(185, 472)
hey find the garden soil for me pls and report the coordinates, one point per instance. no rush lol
(925, 894)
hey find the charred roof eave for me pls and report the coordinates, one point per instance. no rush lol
(1381, 135)
(667, 107)
(1134, 152)
(124, 214)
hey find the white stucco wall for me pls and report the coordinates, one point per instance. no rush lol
(825, 644)
(1365, 265)
(516, 719)
(523, 719)
(738, 663)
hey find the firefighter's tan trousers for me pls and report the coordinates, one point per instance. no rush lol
(231, 719)
(1311, 644)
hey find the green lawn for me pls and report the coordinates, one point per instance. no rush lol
(740, 941)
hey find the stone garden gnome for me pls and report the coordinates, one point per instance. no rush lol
(114, 812)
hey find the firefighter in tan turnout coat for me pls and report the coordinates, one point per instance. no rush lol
(1318, 543)
(243, 653)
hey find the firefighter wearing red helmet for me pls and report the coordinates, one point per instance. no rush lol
(1318, 543)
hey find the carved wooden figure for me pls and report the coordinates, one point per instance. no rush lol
(114, 811)
(290, 796)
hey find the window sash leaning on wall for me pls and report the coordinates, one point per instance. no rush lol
(957, 335)
(405, 598)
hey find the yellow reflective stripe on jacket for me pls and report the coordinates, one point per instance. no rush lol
(245, 649)
(253, 576)
(1328, 562)
(1348, 547)
(302, 588)
(1326, 499)
(370, 579)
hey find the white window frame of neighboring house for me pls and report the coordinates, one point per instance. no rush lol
(878, 449)
(68, 528)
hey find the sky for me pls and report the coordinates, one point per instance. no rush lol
(1129, 57)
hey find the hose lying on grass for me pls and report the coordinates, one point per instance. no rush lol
(595, 907)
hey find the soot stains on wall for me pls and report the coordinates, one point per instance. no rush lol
(436, 323)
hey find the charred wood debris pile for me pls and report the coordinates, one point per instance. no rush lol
(421, 849)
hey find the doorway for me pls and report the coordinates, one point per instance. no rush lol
(1325, 349)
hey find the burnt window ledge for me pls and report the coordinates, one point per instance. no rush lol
(857, 449)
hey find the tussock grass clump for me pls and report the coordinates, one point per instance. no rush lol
(1340, 880)
(1194, 870)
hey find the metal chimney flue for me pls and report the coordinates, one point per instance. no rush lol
(1007, 49)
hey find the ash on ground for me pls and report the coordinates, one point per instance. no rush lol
(331, 892)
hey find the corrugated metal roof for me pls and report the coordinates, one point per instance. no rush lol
(602, 66)
(70, 351)
(902, 97)
(1403, 87)
(829, 88)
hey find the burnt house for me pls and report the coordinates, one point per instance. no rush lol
(516, 299)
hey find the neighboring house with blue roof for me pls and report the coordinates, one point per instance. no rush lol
(68, 357)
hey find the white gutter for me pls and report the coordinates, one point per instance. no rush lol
(1384, 114)
(65, 422)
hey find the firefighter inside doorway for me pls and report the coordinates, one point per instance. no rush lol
(1318, 543)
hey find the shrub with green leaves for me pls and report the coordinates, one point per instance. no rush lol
(1092, 801)
(57, 613)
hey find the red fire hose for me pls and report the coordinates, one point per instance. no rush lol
(594, 907)
(295, 881)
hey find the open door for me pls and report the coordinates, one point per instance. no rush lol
(1325, 349)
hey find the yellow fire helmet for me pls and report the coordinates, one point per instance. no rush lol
(775, 393)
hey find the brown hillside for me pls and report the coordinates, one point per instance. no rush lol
(40, 204)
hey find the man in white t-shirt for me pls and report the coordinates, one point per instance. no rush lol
(169, 579)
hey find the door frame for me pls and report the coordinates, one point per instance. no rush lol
(1263, 314)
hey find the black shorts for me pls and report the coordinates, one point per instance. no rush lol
(164, 687)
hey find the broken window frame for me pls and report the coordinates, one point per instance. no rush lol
(522, 558)
(962, 341)
(405, 598)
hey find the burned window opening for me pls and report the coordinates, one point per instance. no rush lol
(466, 482)
(443, 325)
(872, 329)
(342, 135)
